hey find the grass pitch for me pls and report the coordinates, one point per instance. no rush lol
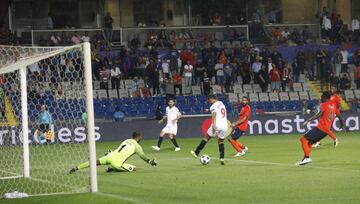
(267, 174)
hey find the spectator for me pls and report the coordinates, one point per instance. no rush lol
(55, 39)
(104, 77)
(306, 34)
(228, 72)
(199, 72)
(320, 60)
(338, 58)
(220, 78)
(357, 76)
(345, 83)
(44, 121)
(255, 67)
(206, 84)
(84, 117)
(188, 69)
(326, 27)
(76, 39)
(166, 68)
(169, 89)
(344, 62)
(177, 79)
(154, 78)
(134, 86)
(285, 34)
(245, 71)
(355, 27)
(275, 79)
(296, 71)
(50, 21)
(269, 65)
(159, 113)
(85, 37)
(277, 34)
(285, 76)
(272, 16)
(118, 115)
(115, 76)
(216, 19)
(108, 21)
(334, 80)
(356, 57)
(264, 78)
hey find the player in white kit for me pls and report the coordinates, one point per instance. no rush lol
(217, 129)
(172, 115)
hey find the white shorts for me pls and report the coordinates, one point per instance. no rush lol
(170, 129)
(222, 134)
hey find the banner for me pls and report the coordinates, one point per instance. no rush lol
(187, 128)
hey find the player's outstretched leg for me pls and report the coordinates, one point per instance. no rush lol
(200, 146)
(160, 140)
(306, 146)
(173, 140)
(221, 151)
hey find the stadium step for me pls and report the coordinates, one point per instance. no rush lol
(316, 87)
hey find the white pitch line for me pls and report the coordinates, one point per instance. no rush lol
(270, 163)
(119, 197)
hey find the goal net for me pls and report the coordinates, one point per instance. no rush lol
(47, 123)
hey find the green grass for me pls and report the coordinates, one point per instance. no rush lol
(267, 174)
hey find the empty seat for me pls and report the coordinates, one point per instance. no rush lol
(233, 97)
(102, 93)
(284, 96)
(216, 89)
(196, 90)
(297, 87)
(357, 93)
(123, 93)
(257, 88)
(241, 95)
(349, 94)
(294, 96)
(237, 88)
(263, 97)
(313, 96)
(253, 97)
(302, 78)
(304, 95)
(247, 88)
(128, 83)
(113, 93)
(274, 96)
(306, 86)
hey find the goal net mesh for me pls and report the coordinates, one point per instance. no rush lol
(56, 117)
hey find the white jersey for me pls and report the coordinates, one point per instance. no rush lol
(221, 115)
(172, 114)
(171, 126)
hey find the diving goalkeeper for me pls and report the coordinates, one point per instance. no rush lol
(116, 159)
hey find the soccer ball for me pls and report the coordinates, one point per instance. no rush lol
(204, 159)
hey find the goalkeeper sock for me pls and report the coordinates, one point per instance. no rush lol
(221, 150)
(83, 165)
(160, 141)
(200, 147)
(173, 140)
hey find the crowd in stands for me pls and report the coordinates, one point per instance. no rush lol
(7, 37)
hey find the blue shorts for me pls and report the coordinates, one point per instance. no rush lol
(237, 133)
(315, 135)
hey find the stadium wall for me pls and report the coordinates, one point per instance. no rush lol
(187, 127)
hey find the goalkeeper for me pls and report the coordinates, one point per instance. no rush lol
(116, 159)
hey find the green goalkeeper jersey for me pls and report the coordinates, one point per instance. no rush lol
(126, 149)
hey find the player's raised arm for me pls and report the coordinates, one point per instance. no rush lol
(142, 155)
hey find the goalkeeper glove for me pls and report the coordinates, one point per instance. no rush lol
(152, 162)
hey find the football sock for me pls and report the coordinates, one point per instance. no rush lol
(332, 135)
(235, 145)
(160, 141)
(306, 146)
(173, 140)
(240, 145)
(200, 147)
(221, 150)
(83, 165)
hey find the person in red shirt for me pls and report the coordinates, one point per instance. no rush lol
(240, 127)
(328, 112)
(335, 98)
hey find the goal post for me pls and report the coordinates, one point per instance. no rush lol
(45, 93)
